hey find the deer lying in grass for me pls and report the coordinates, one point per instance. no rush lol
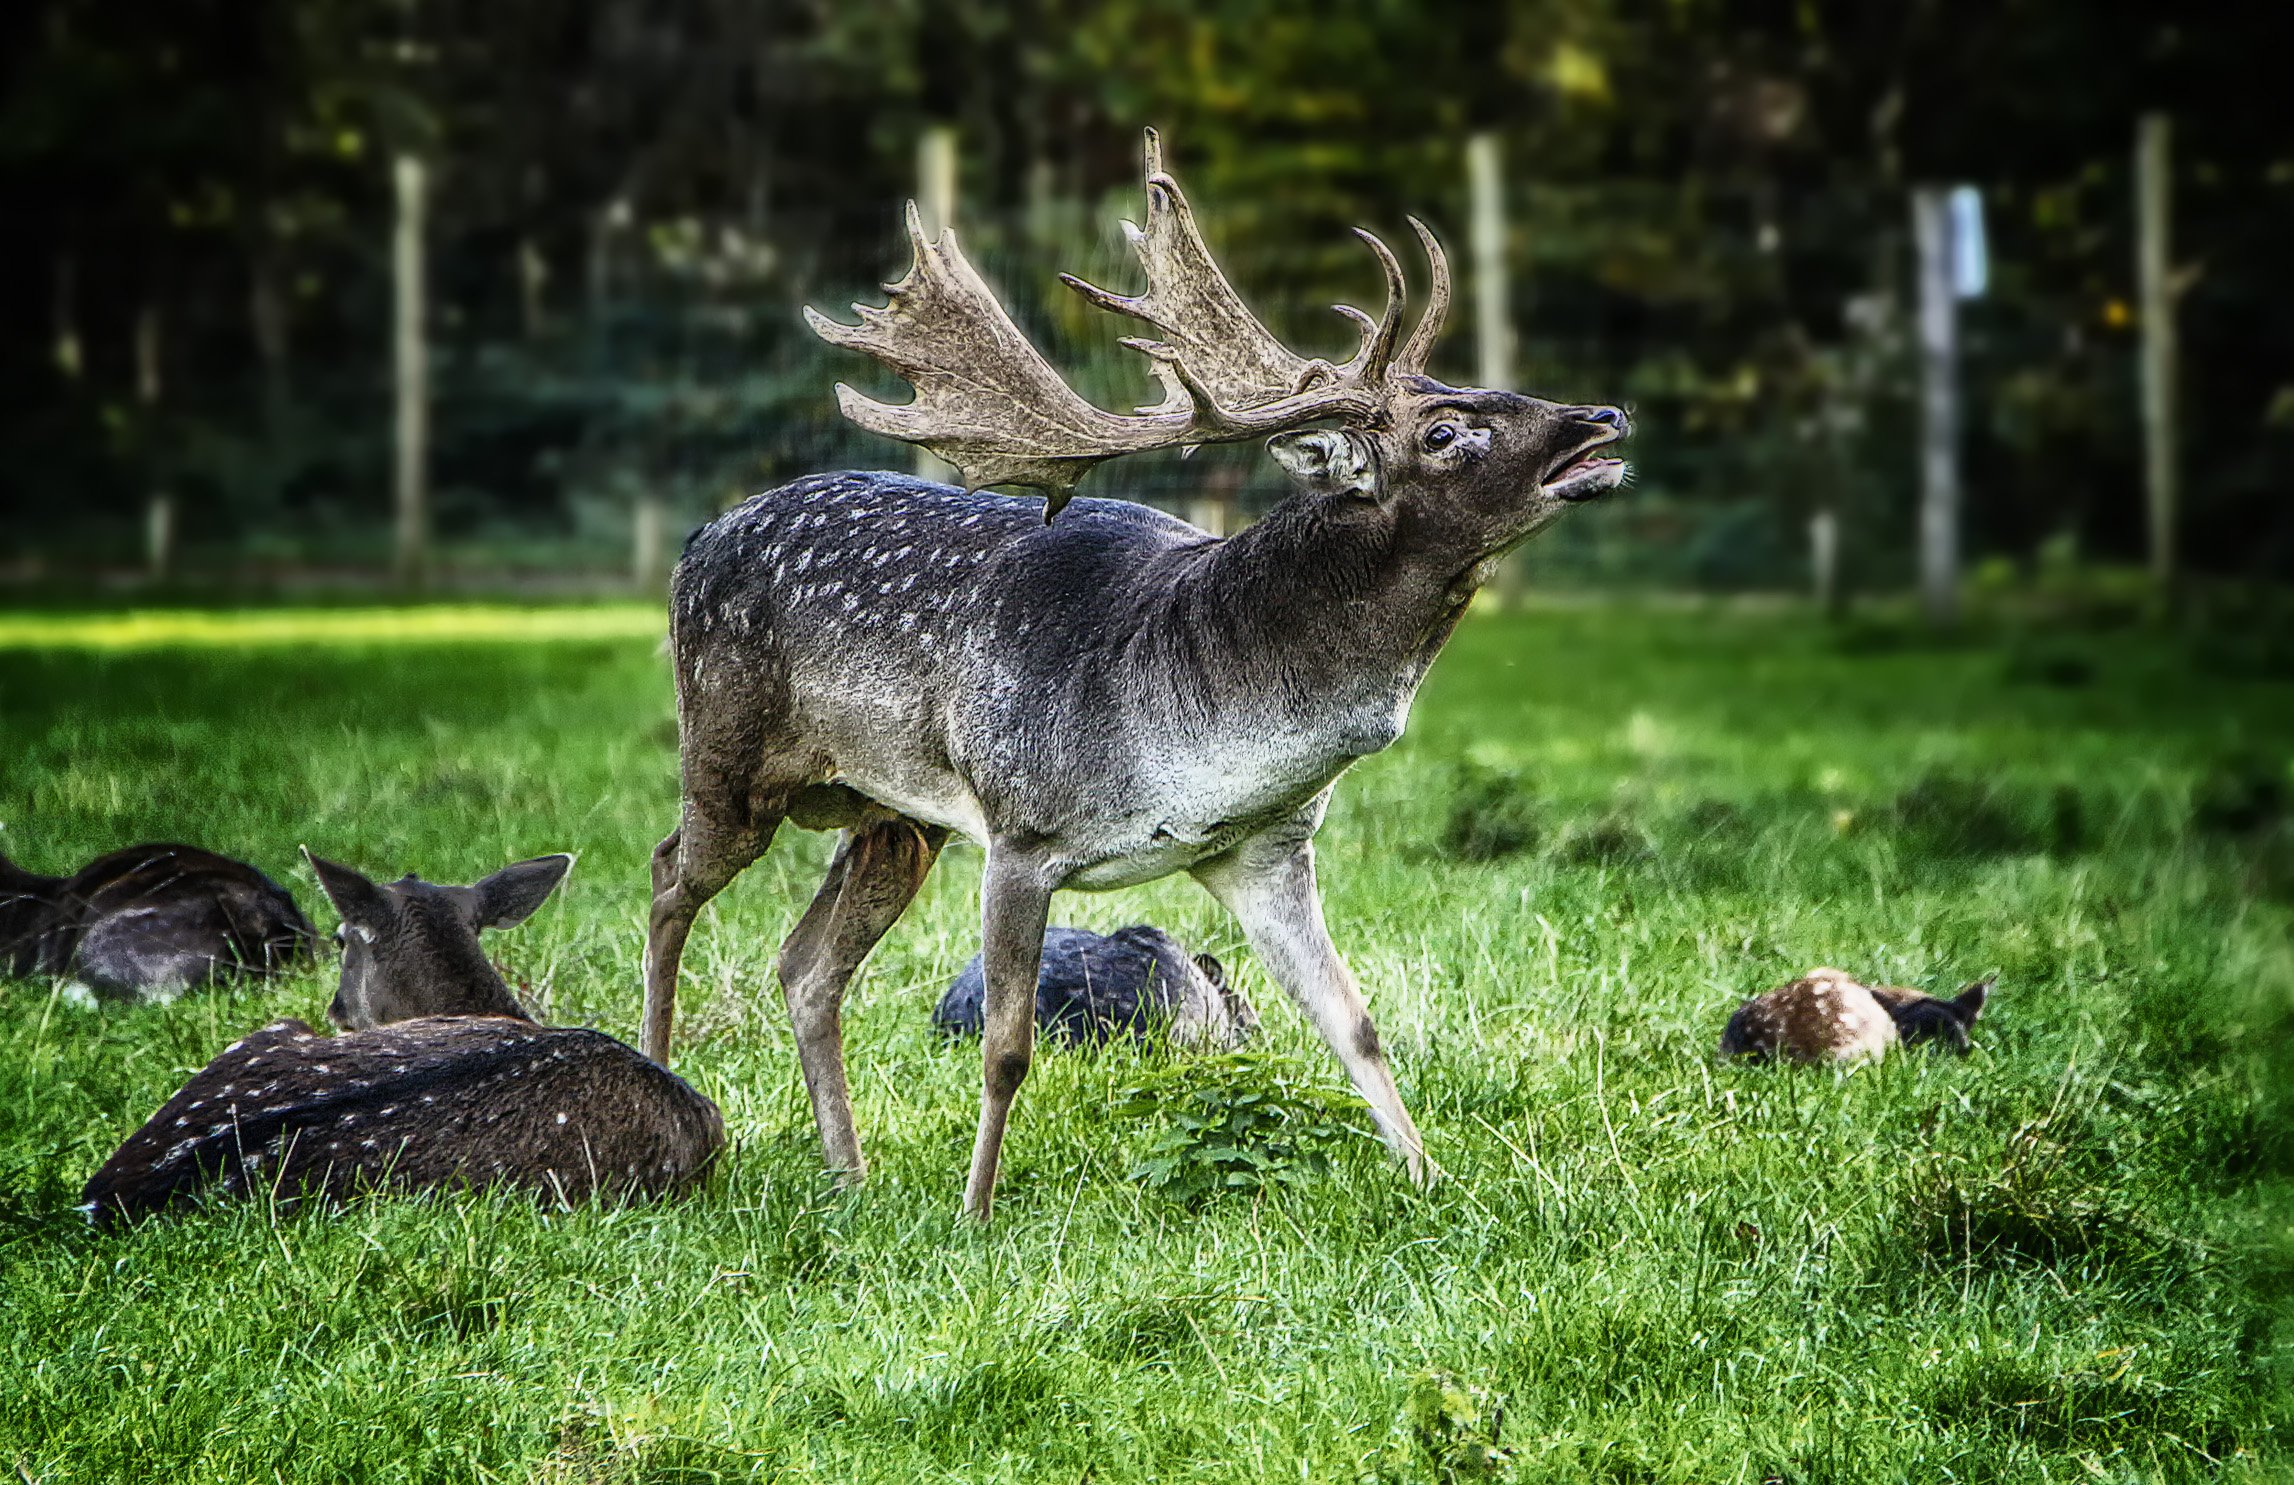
(1137, 982)
(1103, 698)
(1828, 1016)
(152, 920)
(440, 1079)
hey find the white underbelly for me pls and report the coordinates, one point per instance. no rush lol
(948, 805)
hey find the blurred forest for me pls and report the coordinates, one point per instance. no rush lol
(1705, 217)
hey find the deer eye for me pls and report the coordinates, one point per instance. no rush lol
(1441, 435)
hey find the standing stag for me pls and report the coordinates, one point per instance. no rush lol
(1107, 697)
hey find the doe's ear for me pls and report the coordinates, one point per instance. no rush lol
(509, 896)
(365, 908)
(1328, 460)
(1969, 1002)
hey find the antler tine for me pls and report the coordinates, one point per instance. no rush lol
(1192, 305)
(1377, 349)
(986, 400)
(1420, 347)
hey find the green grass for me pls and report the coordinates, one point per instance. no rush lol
(2067, 1257)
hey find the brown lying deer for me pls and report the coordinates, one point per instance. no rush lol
(1828, 1016)
(1106, 697)
(469, 1092)
(150, 920)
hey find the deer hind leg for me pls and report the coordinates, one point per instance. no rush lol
(1015, 901)
(1269, 886)
(878, 868)
(689, 867)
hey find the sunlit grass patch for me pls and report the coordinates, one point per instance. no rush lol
(412, 624)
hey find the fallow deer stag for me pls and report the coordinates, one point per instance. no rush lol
(1101, 699)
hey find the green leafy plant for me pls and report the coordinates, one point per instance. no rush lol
(1237, 1123)
(1452, 1428)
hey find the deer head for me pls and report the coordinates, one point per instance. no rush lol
(410, 947)
(1469, 471)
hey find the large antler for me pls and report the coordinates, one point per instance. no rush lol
(990, 404)
(1205, 326)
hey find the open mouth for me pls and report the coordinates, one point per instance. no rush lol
(1586, 477)
(1586, 474)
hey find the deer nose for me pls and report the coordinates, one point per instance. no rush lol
(1609, 417)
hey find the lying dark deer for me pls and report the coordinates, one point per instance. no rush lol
(1137, 982)
(1100, 699)
(151, 920)
(1827, 1015)
(470, 1093)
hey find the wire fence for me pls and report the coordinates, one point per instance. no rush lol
(1756, 334)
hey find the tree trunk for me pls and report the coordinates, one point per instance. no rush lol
(1939, 406)
(410, 364)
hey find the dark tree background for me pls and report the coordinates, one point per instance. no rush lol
(632, 198)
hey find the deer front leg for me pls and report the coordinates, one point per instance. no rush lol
(1268, 884)
(1015, 901)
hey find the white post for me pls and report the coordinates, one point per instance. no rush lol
(1493, 312)
(645, 544)
(410, 366)
(1824, 558)
(159, 503)
(2155, 275)
(63, 305)
(936, 205)
(1939, 406)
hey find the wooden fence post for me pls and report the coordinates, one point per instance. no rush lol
(410, 374)
(159, 501)
(2154, 272)
(1493, 304)
(936, 204)
(1939, 406)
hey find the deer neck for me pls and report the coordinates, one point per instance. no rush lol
(1331, 618)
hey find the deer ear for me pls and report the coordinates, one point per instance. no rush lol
(1969, 1002)
(1335, 461)
(365, 908)
(509, 896)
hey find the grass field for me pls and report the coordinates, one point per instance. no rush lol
(2068, 1257)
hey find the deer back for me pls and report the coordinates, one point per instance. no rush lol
(443, 1102)
(1824, 1016)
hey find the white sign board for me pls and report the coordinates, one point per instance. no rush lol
(1970, 262)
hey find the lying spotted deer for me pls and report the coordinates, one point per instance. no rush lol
(1827, 1015)
(1137, 982)
(440, 1080)
(1096, 692)
(150, 921)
